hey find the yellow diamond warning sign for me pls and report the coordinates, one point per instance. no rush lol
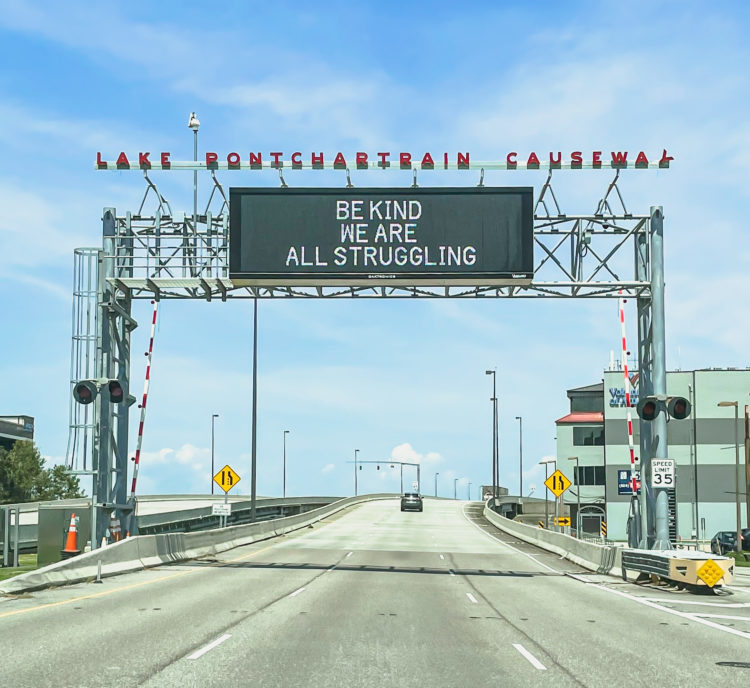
(557, 483)
(710, 573)
(226, 478)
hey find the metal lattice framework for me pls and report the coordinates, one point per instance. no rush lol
(173, 255)
(162, 254)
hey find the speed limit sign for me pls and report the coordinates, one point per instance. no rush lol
(662, 473)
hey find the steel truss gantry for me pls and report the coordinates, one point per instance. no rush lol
(158, 253)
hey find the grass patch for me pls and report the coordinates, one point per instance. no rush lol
(26, 562)
(740, 559)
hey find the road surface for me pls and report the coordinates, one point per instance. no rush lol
(372, 597)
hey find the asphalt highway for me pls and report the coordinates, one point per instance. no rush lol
(373, 597)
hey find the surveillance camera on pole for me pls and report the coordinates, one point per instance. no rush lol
(86, 391)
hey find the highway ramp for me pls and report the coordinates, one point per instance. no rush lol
(374, 597)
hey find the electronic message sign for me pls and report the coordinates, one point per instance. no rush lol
(428, 236)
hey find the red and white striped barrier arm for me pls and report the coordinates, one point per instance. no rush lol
(149, 354)
(627, 395)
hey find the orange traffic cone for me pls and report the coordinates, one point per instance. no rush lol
(71, 542)
(114, 529)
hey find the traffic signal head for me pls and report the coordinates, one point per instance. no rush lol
(116, 392)
(648, 408)
(678, 407)
(85, 391)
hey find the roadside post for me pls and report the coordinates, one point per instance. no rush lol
(557, 483)
(226, 479)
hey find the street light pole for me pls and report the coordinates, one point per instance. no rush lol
(286, 432)
(520, 456)
(455, 480)
(495, 466)
(738, 543)
(214, 416)
(436, 475)
(578, 494)
(356, 451)
(468, 492)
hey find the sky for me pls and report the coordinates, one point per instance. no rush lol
(397, 379)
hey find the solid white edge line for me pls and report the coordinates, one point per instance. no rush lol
(471, 597)
(640, 600)
(684, 615)
(723, 616)
(442, 557)
(210, 646)
(297, 592)
(727, 605)
(350, 554)
(533, 660)
(530, 556)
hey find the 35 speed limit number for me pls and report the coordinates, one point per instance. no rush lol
(662, 473)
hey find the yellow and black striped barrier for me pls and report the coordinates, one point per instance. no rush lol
(603, 528)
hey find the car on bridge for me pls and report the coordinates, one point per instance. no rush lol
(411, 501)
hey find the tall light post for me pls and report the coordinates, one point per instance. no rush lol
(468, 492)
(356, 451)
(286, 432)
(738, 543)
(547, 461)
(520, 456)
(455, 480)
(436, 475)
(214, 416)
(193, 124)
(495, 452)
(578, 494)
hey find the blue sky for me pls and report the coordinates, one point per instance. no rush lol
(402, 379)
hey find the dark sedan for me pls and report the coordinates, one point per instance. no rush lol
(411, 501)
(724, 541)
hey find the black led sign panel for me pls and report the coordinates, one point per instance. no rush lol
(350, 236)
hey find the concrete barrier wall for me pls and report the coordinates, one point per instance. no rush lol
(599, 558)
(145, 551)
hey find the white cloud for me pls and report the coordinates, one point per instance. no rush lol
(327, 468)
(406, 453)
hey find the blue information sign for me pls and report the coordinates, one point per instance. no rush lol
(624, 486)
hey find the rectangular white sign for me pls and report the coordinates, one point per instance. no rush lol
(221, 509)
(662, 473)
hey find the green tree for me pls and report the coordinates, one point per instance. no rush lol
(60, 485)
(23, 477)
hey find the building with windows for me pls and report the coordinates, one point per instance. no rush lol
(592, 450)
(14, 428)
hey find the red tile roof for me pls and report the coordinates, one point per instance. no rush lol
(582, 417)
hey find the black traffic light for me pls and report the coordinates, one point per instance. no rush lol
(85, 391)
(678, 407)
(650, 407)
(378, 467)
(116, 392)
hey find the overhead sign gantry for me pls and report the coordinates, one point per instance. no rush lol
(459, 242)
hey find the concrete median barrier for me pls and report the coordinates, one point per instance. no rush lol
(592, 556)
(145, 551)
